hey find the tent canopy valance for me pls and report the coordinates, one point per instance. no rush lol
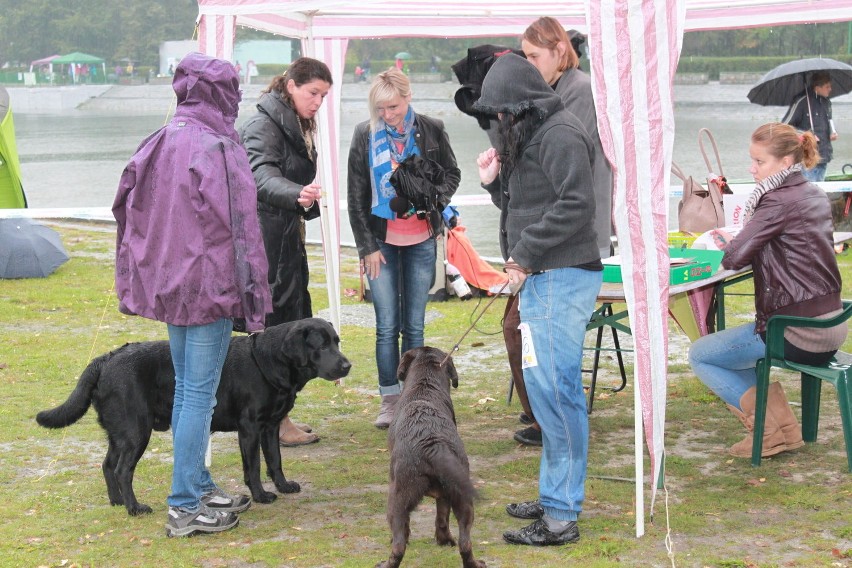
(44, 60)
(481, 18)
(77, 57)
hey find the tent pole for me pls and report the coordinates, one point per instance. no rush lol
(639, 461)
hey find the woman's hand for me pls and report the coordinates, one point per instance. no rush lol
(489, 166)
(371, 265)
(721, 238)
(309, 194)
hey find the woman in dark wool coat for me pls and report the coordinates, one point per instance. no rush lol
(279, 141)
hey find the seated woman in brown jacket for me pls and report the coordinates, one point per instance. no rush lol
(787, 239)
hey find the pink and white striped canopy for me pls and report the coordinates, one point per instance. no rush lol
(634, 46)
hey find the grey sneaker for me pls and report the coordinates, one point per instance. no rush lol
(184, 523)
(537, 534)
(218, 500)
(526, 510)
(386, 410)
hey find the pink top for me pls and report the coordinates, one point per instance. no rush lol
(405, 232)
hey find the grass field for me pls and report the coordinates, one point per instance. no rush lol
(796, 510)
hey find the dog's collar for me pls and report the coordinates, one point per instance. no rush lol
(253, 338)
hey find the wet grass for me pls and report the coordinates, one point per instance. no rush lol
(793, 511)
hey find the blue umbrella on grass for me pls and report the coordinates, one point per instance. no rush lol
(28, 249)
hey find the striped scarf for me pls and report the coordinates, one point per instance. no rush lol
(385, 143)
(765, 186)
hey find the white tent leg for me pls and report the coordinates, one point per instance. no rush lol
(639, 461)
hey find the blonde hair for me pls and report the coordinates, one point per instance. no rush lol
(783, 140)
(546, 33)
(387, 85)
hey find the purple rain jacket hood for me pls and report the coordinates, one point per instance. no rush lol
(189, 249)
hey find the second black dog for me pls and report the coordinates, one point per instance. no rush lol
(427, 456)
(132, 389)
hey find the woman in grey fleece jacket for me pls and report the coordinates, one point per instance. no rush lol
(541, 178)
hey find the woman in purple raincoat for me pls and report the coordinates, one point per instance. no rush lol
(189, 253)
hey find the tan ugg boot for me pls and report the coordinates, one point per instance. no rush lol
(773, 437)
(386, 411)
(290, 435)
(779, 408)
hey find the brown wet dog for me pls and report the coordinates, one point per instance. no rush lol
(427, 456)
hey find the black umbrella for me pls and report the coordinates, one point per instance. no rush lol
(416, 180)
(788, 81)
(471, 71)
(28, 249)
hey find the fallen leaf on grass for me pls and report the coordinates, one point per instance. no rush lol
(485, 400)
(477, 344)
(753, 482)
(785, 473)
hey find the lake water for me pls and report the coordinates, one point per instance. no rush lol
(75, 158)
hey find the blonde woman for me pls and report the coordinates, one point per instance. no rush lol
(396, 247)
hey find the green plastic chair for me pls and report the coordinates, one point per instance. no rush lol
(838, 372)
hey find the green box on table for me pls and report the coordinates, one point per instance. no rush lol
(701, 264)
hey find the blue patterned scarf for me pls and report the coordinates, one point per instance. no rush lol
(383, 153)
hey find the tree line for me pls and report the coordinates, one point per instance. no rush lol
(125, 29)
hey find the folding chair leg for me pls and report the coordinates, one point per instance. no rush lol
(811, 393)
(760, 411)
(844, 398)
(617, 344)
(594, 381)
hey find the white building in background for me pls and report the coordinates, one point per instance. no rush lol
(260, 51)
(173, 51)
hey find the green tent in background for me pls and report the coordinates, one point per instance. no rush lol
(77, 57)
(83, 59)
(11, 191)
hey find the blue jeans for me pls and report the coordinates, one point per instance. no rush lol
(556, 305)
(198, 353)
(725, 361)
(399, 295)
(816, 173)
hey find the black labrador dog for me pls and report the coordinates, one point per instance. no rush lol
(427, 456)
(132, 389)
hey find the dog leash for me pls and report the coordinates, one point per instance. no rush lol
(485, 309)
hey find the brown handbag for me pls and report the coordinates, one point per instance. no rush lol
(700, 208)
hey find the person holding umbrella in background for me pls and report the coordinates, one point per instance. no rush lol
(812, 111)
(805, 86)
